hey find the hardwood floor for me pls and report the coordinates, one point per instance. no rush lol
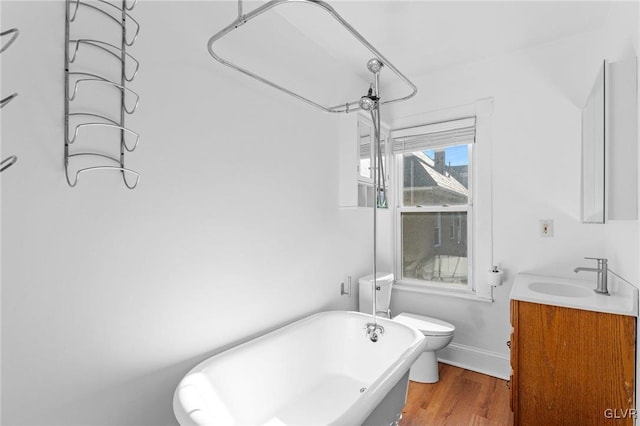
(461, 397)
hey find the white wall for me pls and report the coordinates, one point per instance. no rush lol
(108, 295)
(538, 94)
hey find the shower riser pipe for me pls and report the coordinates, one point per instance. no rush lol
(375, 116)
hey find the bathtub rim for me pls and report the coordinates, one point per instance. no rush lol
(369, 399)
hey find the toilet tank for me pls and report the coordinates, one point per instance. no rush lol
(384, 281)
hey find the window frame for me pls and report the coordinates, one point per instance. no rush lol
(468, 289)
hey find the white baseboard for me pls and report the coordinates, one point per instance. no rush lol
(476, 359)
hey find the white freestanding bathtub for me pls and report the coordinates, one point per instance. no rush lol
(321, 370)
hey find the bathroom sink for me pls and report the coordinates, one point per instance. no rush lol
(557, 289)
(575, 293)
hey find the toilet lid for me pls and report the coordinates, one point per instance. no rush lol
(380, 276)
(427, 325)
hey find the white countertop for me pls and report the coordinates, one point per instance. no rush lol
(574, 293)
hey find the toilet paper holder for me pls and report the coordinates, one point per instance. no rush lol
(495, 276)
(346, 292)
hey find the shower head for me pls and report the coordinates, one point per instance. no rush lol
(366, 103)
(374, 65)
(369, 102)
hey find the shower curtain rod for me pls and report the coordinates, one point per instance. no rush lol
(347, 106)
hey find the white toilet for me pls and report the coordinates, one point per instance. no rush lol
(438, 333)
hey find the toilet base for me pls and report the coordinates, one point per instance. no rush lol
(425, 369)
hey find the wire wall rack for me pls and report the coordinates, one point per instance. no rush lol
(10, 36)
(78, 119)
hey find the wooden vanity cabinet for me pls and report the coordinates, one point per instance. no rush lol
(571, 367)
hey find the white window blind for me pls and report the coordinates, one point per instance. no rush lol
(446, 133)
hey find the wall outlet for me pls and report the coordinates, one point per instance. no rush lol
(546, 228)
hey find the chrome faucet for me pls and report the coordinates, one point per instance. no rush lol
(374, 331)
(602, 270)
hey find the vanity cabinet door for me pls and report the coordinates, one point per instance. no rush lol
(572, 366)
(513, 346)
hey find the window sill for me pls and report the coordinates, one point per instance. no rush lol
(458, 294)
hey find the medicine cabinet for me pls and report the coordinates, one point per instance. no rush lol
(593, 151)
(356, 140)
(622, 141)
(610, 145)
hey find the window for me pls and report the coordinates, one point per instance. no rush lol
(434, 204)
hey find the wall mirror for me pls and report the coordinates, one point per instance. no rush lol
(365, 138)
(593, 151)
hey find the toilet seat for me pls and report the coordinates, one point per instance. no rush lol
(427, 325)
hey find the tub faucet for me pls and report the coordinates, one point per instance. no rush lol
(602, 270)
(374, 331)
